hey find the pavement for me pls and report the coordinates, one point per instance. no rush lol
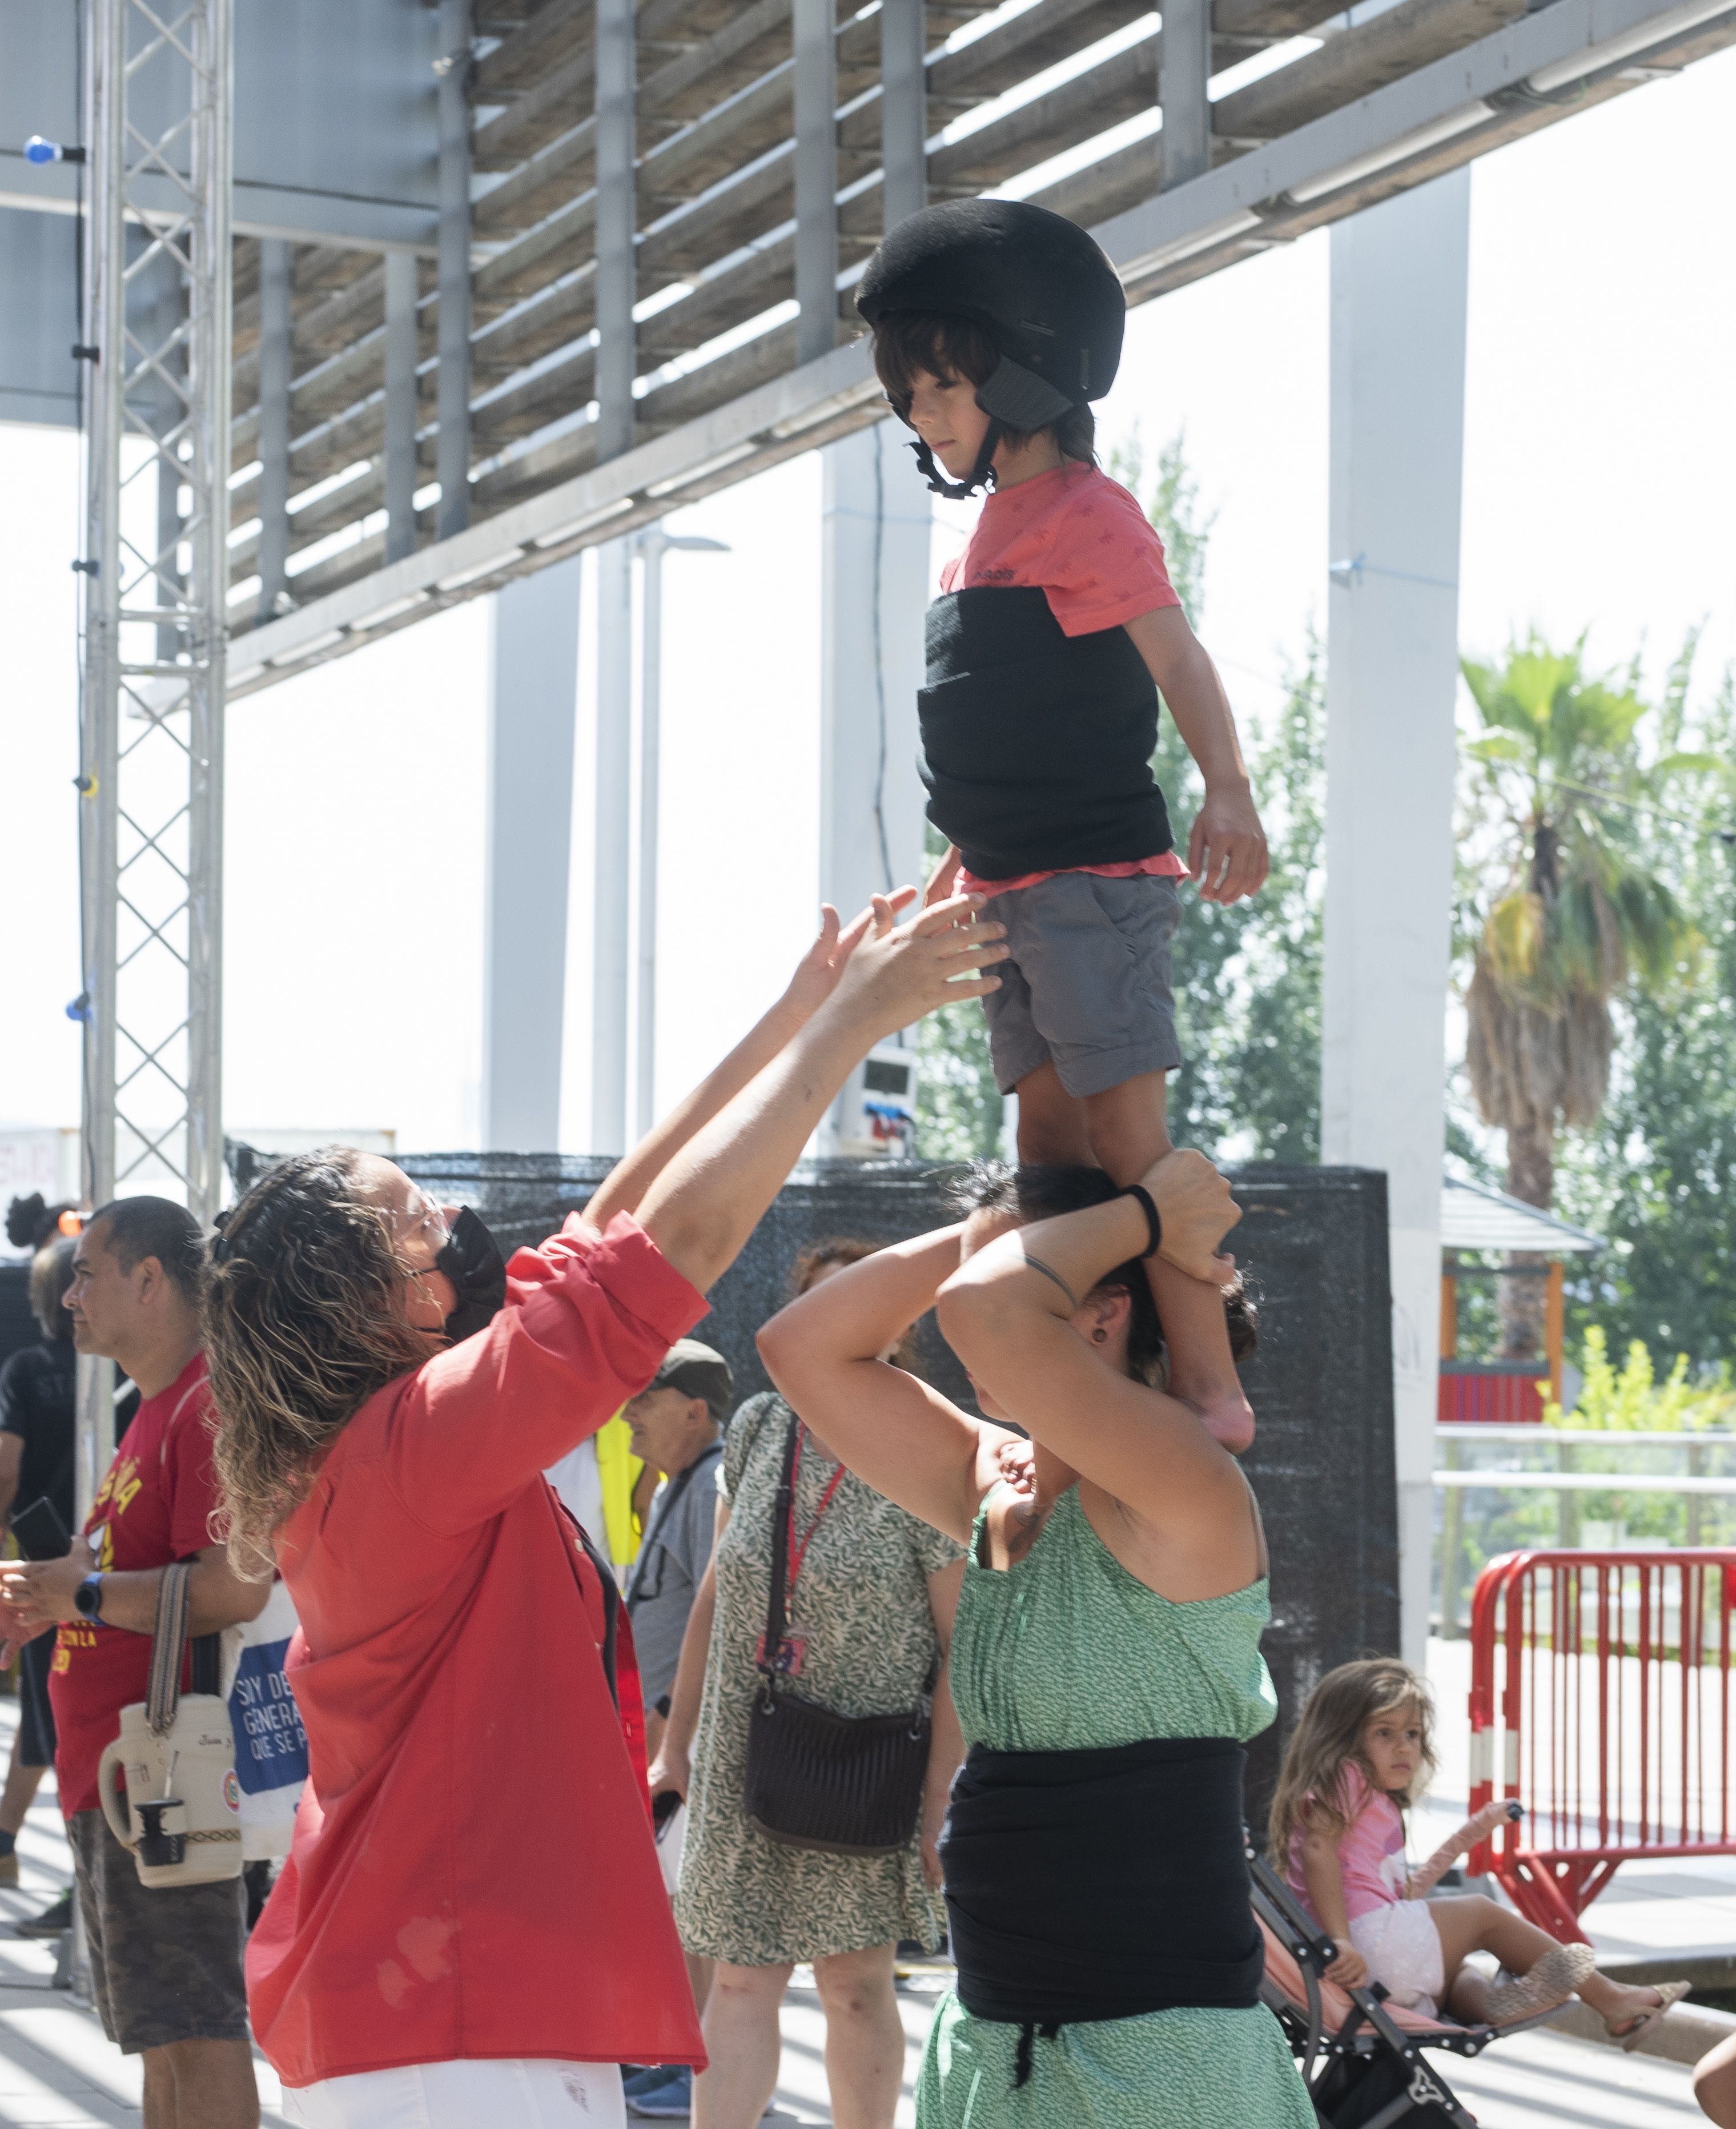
(57, 2071)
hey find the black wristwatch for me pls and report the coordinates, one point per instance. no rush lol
(87, 1599)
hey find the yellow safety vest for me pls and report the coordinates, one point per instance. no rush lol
(618, 1468)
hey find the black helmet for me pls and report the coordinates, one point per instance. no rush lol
(1048, 300)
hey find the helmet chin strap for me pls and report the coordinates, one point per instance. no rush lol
(955, 491)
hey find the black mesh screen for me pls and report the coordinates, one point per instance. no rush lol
(1313, 1242)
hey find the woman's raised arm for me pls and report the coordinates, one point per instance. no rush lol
(709, 1195)
(898, 1435)
(815, 979)
(1009, 1322)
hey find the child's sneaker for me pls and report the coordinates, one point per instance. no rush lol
(1556, 1976)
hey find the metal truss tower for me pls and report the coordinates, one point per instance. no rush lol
(158, 309)
(157, 274)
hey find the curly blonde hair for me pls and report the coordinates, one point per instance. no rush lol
(1328, 1739)
(304, 1321)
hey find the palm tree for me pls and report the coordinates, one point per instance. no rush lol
(1576, 919)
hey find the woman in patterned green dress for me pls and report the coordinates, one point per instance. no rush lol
(1116, 1597)
(874, 1605)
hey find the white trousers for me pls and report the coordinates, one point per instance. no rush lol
(465, 2095)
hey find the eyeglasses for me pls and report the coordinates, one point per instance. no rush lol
(421, 1221)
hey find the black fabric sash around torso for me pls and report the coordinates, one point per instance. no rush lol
(1097, 1884)
(1037, 746)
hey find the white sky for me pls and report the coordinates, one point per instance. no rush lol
(1601, 458)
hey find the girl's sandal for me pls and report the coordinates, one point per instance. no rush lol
(1669, 1993)
(1551, 1980)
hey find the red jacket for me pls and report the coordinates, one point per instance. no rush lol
(473, 1873)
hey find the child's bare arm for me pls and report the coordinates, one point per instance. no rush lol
(1479, 1828)
(1323, 1876)
(940, 888)
(1226, 850)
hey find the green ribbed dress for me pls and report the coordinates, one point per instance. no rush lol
(1066, 1649)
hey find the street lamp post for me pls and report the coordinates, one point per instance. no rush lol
(652, 544)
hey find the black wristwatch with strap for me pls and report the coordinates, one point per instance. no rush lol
(87, 1599)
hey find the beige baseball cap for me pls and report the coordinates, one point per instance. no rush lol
(695, 1370)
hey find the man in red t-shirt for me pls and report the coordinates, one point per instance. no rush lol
(166, 1961)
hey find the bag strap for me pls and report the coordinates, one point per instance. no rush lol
(207, 1663)
(163, 1696)
(783, 1505)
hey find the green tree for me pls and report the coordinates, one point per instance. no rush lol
(1572, 915)
(1657, 1174)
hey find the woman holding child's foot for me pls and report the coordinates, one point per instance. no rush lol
(1106, 1655)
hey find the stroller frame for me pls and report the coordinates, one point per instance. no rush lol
(1370, 2030)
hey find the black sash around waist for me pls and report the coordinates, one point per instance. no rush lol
(1095, 1884)
(1037, 746)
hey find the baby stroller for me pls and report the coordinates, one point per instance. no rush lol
(1361, 2057)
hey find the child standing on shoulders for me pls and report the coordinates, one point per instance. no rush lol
(1361, 1754)
(994, 324)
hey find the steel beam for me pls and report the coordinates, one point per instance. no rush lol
(453, 461)
(1184, 61)
(274, 364)
(400, 467)
(617, 213)
(816, 179)
(903, 111)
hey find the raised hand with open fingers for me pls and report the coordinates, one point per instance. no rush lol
(818, 970)
(896, 973)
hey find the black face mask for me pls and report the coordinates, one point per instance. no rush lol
(471, 1260)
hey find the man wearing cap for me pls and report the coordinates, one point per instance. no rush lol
(678, 1428)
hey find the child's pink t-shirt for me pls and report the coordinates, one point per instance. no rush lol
(1083, 541)
(1371, 1854)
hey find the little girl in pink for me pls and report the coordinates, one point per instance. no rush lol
(1360, 1752)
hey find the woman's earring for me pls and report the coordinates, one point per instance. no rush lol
(1098, 1335)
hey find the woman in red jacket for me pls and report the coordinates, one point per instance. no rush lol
(472, 1926)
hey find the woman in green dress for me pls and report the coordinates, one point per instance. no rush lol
(1105, 1663)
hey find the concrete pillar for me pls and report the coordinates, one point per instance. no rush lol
(532, 706)
(611, 891)
(874, 529)
(1398, 391)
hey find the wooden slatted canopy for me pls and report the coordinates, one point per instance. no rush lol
(1333, 126)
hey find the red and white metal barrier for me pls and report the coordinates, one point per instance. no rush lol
(1601, 1696)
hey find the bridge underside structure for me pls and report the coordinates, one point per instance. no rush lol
(508, 280)
(633, 289)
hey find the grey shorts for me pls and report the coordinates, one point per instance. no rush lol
(166, 1961)
(1086, 982)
